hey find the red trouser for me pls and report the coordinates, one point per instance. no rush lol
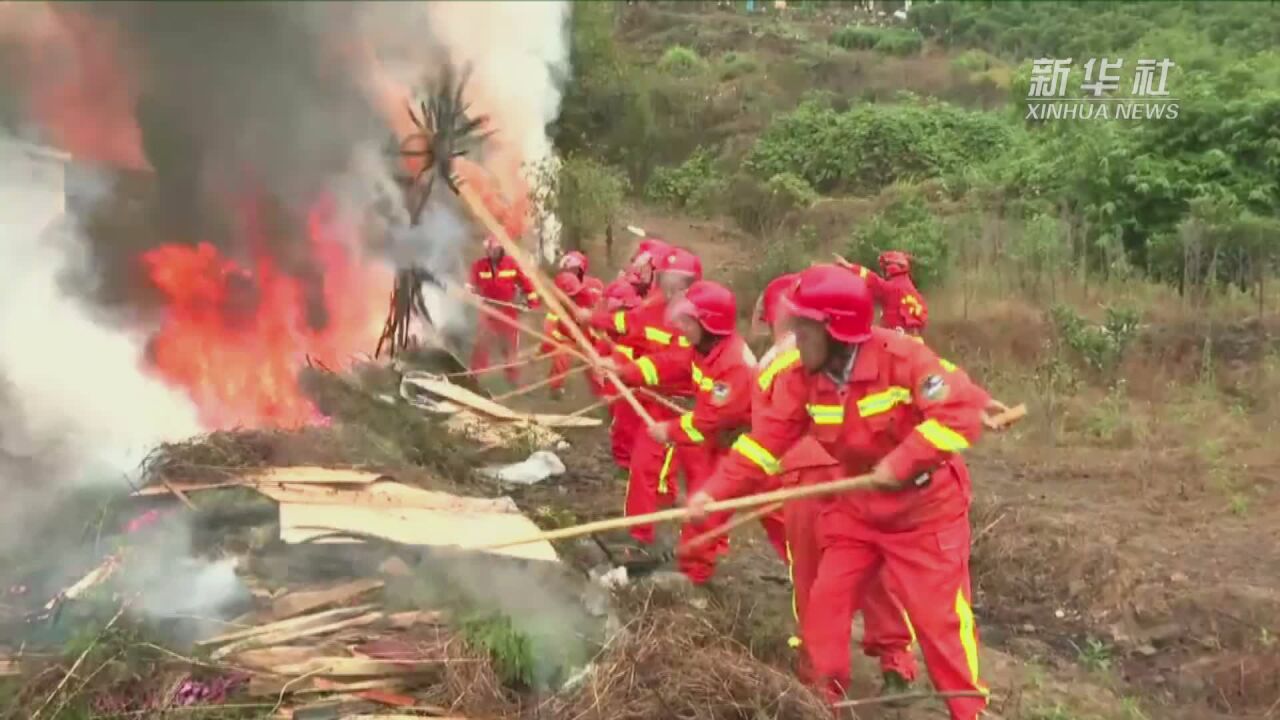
(928, 567)
(652, 482)
(560, 363)
(699, 563)
(507, 337)
(622, 432)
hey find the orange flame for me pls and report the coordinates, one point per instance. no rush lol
(239, 364)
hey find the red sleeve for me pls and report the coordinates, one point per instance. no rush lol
(664, 368)
(475, 274)
(775, 427)
(950, 407)
(530, 294)
(728, 407)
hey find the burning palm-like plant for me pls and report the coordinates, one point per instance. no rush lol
(445, 132)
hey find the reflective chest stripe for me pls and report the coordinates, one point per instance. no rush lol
(486, 275)
(826, 414)
(620, 322)
(653, 334)
(552, 317)
(686, 424)
(780, 363)
(648, 371)
(701, 380)
(747, 447)
(630, 353)
(947, 365)
(884, 401)
(507, 273)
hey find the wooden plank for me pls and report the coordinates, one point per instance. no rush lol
(566, 421)
(285, 636)
(308, 474)
(385, 494)
(297, 603)
(488, 407)
(269, 658)
(291, 624)
(356, 667)
(414, 526)
(10, 668)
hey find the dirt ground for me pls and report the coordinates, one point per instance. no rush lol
(1109, 582)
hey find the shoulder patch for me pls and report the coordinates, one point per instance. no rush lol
(720, 393)
(934, 388)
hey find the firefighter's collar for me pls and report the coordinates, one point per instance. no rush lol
(842, 378)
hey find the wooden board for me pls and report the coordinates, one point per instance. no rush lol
(297, 603)
(415, 526)
(484, 405)
(272, 476)
(385, 494)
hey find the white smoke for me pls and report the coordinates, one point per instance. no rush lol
(76, 401)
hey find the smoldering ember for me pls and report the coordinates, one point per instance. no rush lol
(638, 361)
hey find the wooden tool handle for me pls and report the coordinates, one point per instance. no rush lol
(1009, 417)
(737, 522)
(862, 482)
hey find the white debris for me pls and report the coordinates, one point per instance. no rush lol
(538, 467)
(613, 579)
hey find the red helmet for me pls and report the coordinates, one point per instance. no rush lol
(837, 298)
(774, 295)
(711, 303)
(573, 260)
(649, 251)
(679, 260)
(620, 294)
(895, 262)
(569, 284)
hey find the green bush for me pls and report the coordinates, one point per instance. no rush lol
(681, 61)
(891, 41)
(761, 207)
(734, 65)
(783, 255)
(871, 146)
(584, 194)
(905, 224)
(1099, 348)
(690, 184)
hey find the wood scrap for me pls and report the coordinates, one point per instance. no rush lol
(285, 636)
(388, 698)
(297, 603)
(356, 667)
(484, 405)
(411, 618)
(10, 667)
(308, 474)
(91, 579)
(483, 430)
(402, 716)
(275, 685)
(266, 659)
(412, 526)
(285, 625)
(385, 493)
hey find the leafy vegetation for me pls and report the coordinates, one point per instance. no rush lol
(584, 194)
(691, 184)
(906, 224)
(892, 41)
(682, 61)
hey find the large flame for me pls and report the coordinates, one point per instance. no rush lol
(234, 337)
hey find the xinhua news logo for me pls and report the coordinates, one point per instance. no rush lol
(1098, 95)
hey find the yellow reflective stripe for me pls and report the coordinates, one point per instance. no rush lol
(682, 341)
(747, 447)
(862, 272)
(826, 414)
(700, 379)
(666, 468)
(795, 600)
(882, 402)
(794, 642)
(968, 639)
(780, 363)
(947, 365)
(648, 371)
(659, 336)
(620, 322)
(533, 296)
(686, 424)
(485, 274)
(906, 619)
(942, 437)
(507, 273)
(553, 317)
(558, 335)
(630, 353)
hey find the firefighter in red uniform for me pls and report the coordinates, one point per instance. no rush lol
(721, 368)
(619, 296)
(888, 408)
(562, 360)
(646, 331)
(497, 277)
(641, 271)
(776, 453)
(902, 307)
(576, 263)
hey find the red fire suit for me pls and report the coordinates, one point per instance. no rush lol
(901, 304)
(777, 453)
(554, 328)
(722, 379)
(499, 281)
(644, 329)
(904, 407)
